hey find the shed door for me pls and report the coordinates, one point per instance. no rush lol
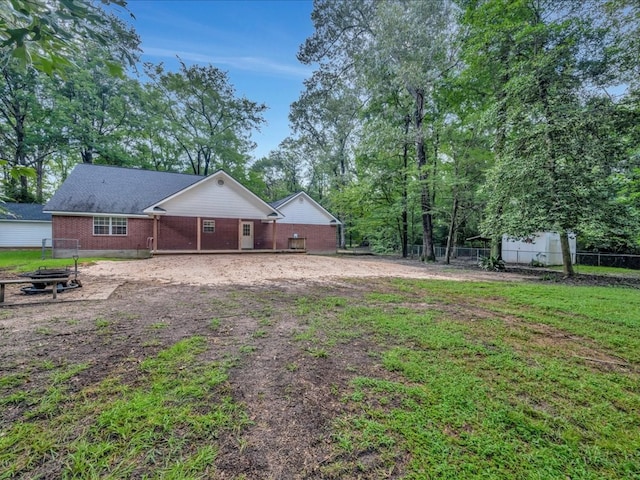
(247, 236)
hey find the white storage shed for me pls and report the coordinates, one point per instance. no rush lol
(543, 247)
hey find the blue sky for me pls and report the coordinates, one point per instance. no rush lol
(254, 41)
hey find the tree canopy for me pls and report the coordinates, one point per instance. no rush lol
(48, 35)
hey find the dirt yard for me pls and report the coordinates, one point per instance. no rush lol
(267, 269)
(291, 410)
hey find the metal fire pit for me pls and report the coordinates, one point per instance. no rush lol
(44, 274)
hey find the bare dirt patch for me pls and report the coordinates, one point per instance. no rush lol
(264, 269)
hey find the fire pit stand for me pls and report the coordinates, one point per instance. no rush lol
(43, 277)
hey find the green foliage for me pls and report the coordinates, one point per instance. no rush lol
(200, 112)
(406, 131)
(103, 113)
(49, 34)
(557, 141)
(491, 264)
(281, 173)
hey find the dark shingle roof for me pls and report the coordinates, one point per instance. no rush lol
(24, 211)
(278, 203)
(106, 189)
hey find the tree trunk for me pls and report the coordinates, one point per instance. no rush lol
(452, 230)
(501, 135)
(425, 195)
(39, 175)
(567, 264)
(20, 158)
(404, 234)
(496, 248)
(87, 155)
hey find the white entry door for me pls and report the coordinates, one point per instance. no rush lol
(247, 236)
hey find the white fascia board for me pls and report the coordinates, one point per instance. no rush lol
(292, 199)
(244, 191)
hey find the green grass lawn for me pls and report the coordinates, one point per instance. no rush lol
(18, 261)
(592, 269)
(495, 380)
(466, 381)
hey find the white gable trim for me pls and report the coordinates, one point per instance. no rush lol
(233, 200)
(304, 197)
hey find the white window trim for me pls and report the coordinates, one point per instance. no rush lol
(210, 224)
(111, 227)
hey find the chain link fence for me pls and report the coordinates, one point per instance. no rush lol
(618, 260)
(60, 247)
(525, 258)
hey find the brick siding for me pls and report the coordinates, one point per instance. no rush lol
(224, 238)
(81, 228)
(177, 233)
(319, 238)
(180, 233)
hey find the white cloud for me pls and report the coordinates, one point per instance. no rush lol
(251, 64)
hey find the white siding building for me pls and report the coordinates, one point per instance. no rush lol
(23, 225)
(543, 247)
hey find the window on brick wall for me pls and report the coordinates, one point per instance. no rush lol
(208, 226)
(109, 226)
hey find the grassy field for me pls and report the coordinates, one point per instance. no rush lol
(595, 270)
(491, 396)
(475, 380)
(18, 261)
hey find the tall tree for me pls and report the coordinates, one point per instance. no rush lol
(553, 159)
(211, 126)
(410, 42)
(30, 130)
(418, 39)
(103, 111)
(282, 170)
(38, 36)
(325, 117)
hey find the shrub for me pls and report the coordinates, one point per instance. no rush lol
(492, 264)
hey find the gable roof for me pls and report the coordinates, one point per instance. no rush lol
(282, 201)
(218, 194)
(115, 190)
(289, 202)
(98, 189)
(24, 212)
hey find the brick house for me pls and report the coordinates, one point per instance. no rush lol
(114, 211)
(304, 224)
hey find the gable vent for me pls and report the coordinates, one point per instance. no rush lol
(220, 182)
